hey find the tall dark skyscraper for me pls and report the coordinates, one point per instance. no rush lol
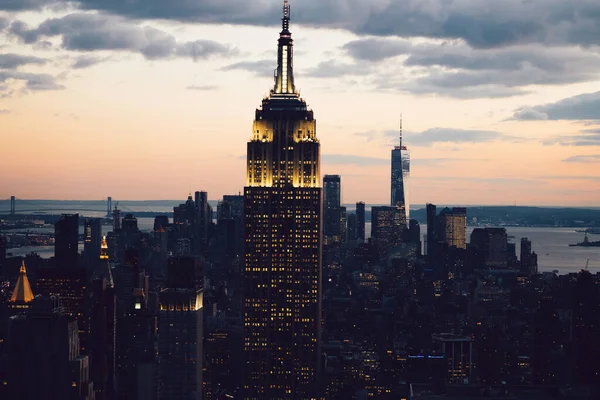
(360, 221)
(66, 235)
(92, 239)
(400, 171)
(431, 239)
(331, 208)
(282, 279)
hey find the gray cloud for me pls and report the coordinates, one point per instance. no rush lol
(449, 135)
(480, 24)
(260, 68)
(33, 82)
(93, 32)
(19, 5)
(581, 107)
(12, 61)
(87, 61)
(588, 137)
(336, 69)
(592, 158)
(455, 69)
(202, 88)
(349, 159)
(4, 111)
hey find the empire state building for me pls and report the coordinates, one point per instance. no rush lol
(282, 278)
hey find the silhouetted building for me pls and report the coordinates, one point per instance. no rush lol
(493, 246)
(586, 330)
(161, 221)
(185, 273)
(360, 221)
(69, 285)
(179, 363)
(103, 329)
(351, 225)
(331, 208)
(387, 225)
(204, 218)
(431, 239)
(66, 245)
(92, 238)
(458, 351)
(12, 205)
(3, 246)
(44, 358)
(529, 259)
(282, 278)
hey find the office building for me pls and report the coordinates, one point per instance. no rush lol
(492, 244)
(431, 238)
(92, 239)
(400, 172)
(102, 337)
(204, 220)
(351, 224)
(179, 362)
(12, 205)
(66, 236)
(282, 274)
(360, 221)
(452, 227)
(529, 259)
(3, 246)
(48, 365)
(387, 225)
(69, 285)
(458, 352)
(331, 208)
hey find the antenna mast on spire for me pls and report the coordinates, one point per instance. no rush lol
(286, 15)
(400, 130)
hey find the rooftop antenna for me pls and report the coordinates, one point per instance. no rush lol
(400, 130)
(286, 15)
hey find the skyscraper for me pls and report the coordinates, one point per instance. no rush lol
(179, 366)
(387, 225)
(331, 208)
(452, 227)
(66, 235)
(360, 221)
(282, 282)
(92, 238)
(400, 171)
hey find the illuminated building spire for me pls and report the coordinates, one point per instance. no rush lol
(284, 75)
(104, 270)
(104, 249)
(22, 292)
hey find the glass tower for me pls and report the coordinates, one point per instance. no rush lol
(400, 173)
(282, 275)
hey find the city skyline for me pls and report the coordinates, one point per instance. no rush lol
(127, 98)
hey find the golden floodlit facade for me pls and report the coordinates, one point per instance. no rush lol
(282, 277)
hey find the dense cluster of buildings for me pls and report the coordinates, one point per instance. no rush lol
(285, 293)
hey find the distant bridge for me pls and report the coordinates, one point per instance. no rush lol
(21, 206)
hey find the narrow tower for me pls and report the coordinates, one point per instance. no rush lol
(282, 276)
(22, 295)
(400, 171)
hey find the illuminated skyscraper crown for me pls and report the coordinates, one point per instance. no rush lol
(284, 75)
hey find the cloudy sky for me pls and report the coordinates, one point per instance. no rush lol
(145, 99)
